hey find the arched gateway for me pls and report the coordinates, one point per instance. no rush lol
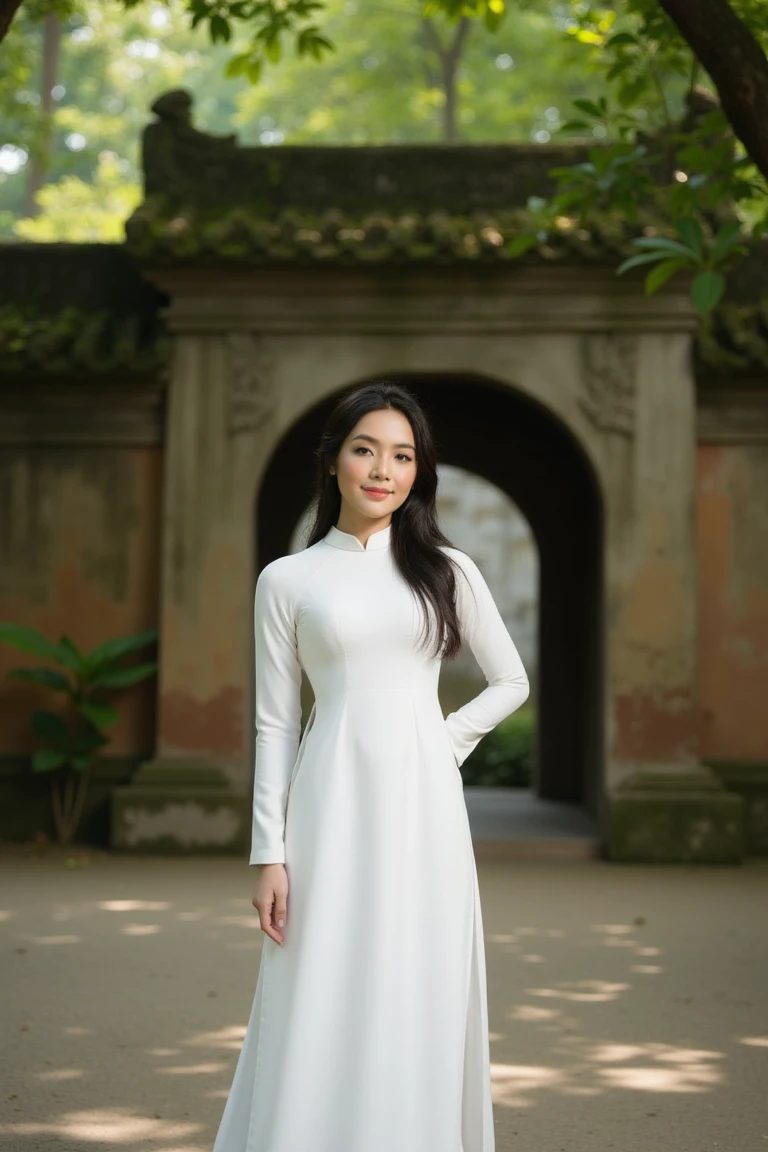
(568, 388)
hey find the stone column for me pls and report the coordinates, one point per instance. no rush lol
(662, 804)
(194, 794)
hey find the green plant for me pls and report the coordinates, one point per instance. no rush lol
(504, 758)
(70, 744)
(691, 251)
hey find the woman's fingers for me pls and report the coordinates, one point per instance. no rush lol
(271, 906)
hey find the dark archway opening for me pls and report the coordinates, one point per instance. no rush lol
(519, 446)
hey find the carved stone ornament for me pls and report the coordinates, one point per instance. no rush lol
(608, 381)
(175, 154)
(250, 382)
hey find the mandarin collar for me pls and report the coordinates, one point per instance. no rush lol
(377, 541)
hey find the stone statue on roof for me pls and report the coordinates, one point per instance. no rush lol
(173, 150)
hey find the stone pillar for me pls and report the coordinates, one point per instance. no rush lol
(194, 794)
(662, 803)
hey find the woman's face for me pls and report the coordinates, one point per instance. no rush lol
(379, 453)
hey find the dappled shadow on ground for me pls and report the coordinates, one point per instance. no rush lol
(132, 985)
(627, 1006)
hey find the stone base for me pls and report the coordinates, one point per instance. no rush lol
(674, 816)
(749, 779)
(178, 806)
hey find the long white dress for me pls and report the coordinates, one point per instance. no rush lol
(369, 1027)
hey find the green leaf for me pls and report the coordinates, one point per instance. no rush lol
(707, 290)
(90, 740)
(48, 759)
(30, 641)
(51, 728)
(45, 677)
(636, 261)
(99, 714)
(273, 50)
(727, 240)
(623, 64)
(112, 650)
(589, 107)
(81, 763)
(689, 231)
(236, 66)
(71, 656)
(619, 39)
(254, 69)
(122, 677)
(220, 29)
(662, 244)
(661, 273)
(521, 244)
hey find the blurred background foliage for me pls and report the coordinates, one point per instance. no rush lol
(505, 757)
(384, 82)
(78, 78)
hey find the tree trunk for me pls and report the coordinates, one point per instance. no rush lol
(737, 64)
(449, 58)
(8, 9)
(40, 160)
(451, 61)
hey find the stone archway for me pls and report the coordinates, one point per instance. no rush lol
(256, 350)
(495, 432)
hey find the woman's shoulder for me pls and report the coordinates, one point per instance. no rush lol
(463, 559)
(288, 573)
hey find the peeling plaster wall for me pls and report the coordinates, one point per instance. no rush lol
(79, 554)
(733, 600)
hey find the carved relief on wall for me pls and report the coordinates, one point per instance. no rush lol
(608, 381)
(250, 382)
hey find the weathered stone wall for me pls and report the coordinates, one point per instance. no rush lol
(79, 554)
(733, 600)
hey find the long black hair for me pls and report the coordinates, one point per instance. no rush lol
(415, 534)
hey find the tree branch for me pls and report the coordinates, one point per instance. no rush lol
(8, 9)
(737, 64)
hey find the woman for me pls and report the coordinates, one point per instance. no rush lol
(369, 1028)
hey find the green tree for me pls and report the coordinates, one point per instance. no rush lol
(670, 148)
(382, 83)
(651, 53)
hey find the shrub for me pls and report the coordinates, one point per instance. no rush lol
(504, 758)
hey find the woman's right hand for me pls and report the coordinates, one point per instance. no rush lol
(270, 900)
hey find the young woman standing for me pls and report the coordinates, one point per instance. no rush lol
(369, 1027)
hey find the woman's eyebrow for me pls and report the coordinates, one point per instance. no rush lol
(373, 440)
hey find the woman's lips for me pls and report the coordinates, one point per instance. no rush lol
(376, 493)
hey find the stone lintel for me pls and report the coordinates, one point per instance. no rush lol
(525, 300)
(73, 414)
(733, 415)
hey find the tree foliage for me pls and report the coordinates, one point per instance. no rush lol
(381, 84)
(643, 71)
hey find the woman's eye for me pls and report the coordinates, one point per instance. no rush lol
(401, 455)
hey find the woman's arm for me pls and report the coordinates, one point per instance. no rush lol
(483, 628)
(278, 713)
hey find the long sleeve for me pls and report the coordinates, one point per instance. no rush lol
(278, 714)
(483, 628)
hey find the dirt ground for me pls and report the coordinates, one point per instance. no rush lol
(628, 1004)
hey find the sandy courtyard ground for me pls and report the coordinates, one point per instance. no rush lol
(628, 1004)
